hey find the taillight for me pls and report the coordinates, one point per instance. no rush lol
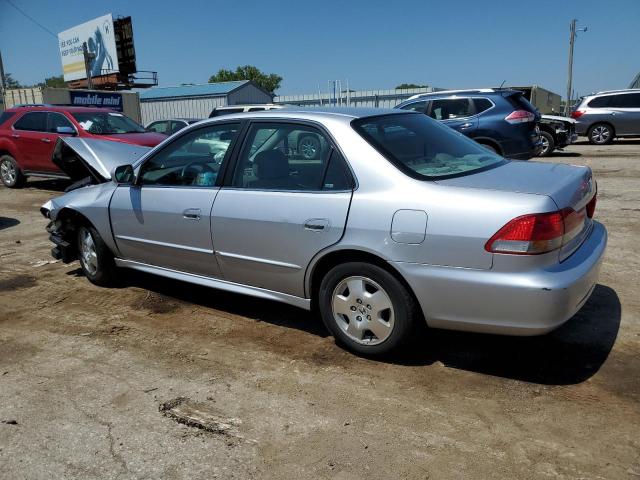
(591, 206)
(520, 116)
(537, 233)
(577, 113)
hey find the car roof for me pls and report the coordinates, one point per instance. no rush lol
(611, 92)
(56, 108)
(463, 93)
(346, 114)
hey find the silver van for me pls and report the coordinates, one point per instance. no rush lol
(604, 116)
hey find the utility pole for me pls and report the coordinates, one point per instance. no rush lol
(1, 83)
(88, 57)
(572, 38)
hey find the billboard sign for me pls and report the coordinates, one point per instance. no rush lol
(101, 41)
(96, 99)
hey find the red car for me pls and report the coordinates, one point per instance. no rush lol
(28, 136)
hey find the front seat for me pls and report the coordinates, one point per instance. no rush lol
(271, 169)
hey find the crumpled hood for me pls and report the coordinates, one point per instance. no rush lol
(559, 119)
(80, 157)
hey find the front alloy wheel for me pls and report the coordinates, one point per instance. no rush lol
(309, 147)
(96, 260)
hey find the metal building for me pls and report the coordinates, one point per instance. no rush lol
(354, 98)
(197, 101)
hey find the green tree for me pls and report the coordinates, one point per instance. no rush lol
(269, 81)
(10, 82)
(404, 86)
(53, 82)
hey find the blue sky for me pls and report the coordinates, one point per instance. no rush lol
(373, 44)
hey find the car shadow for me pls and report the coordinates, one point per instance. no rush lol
(48, 184)
(7, 222)
(560, 154)
(569, 355)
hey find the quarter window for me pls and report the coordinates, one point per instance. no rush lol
(482, 104)
(33, 121)
(282, 156)
(158, 127)
(449, 109)
(191, 160)
(416, 107)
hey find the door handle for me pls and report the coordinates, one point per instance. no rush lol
(15, 135)
(466, 125)
(316, 224)
(192, 213)
(45, 140)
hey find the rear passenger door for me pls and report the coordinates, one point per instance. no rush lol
(626, 113)
(277, 208)
(457, 113)
(35, 143)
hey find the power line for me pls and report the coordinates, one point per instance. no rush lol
(31, 18)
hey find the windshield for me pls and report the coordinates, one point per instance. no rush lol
(105, 123)
(423, 148)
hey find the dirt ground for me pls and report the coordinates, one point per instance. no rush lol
(84, 370)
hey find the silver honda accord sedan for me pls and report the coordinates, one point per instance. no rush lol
(394, 220)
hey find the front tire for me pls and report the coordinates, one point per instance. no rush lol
(548, 144)
(96, 260)
(601, 134)
(366, 308)
(10, 173)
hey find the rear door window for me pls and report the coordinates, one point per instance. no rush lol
(32, 121)
(451, 108)
(4, 116)
(628, 100)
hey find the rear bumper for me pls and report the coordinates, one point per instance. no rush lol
(512, 303)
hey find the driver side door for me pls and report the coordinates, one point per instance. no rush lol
(164, 219)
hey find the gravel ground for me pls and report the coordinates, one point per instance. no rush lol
(86, 371)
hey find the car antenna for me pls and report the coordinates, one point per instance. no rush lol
(502, 84)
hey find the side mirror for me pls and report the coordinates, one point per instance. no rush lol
(123, 175)
(66, 130)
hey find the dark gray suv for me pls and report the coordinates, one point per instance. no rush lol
(604, 116)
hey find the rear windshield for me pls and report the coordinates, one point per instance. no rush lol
(106, 123)
(225, 111)
(423, 148)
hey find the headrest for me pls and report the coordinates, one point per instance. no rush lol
(270, 164)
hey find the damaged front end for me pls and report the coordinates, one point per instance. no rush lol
(62, 235)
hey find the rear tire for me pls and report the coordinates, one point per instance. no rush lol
(548, 144)
(490, 147)
(366, 308)
(10, 173)
(96, 260)
(601, 134)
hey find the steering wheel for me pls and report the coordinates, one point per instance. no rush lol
(193, 166)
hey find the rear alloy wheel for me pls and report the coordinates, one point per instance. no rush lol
(366, 308)
(10, 173)
(548, 144)
(600, 134)
(96, 260)
(309, 147)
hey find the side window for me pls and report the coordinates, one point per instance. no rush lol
(416, 107)
(33, 121)
(158, 127)
(337, 176)
(628, 100)
(58, 120)
(482, 104)
(600, 102)
(449, 109)
(176, 127)
(284, 156)
(191, 160)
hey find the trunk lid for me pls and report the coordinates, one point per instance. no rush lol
(81, 157)
(569, 186)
